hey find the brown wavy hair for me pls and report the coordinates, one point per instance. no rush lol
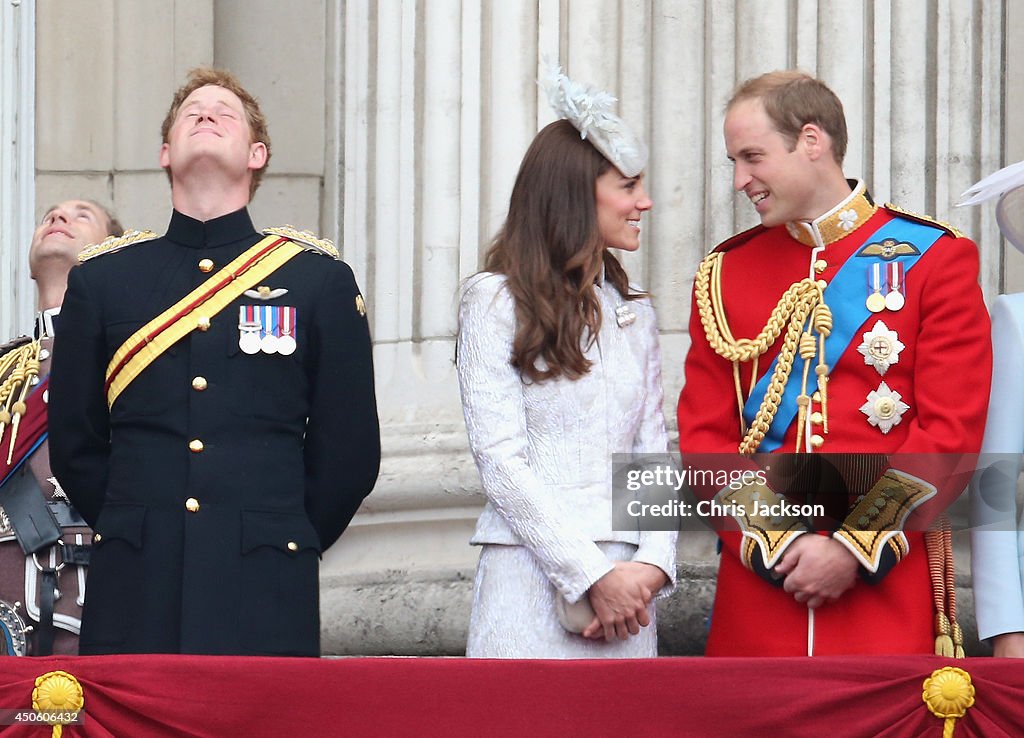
(551, 252)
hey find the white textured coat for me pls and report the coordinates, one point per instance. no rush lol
(544, 450)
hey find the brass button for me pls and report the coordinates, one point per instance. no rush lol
(817, 418)
(293, 546)
(97, 538)
(816, 397)
(206, 265)
(817, 441)
(195, 446)
(203, 323)
(820, 265)
(885, 408)
(199, 384)
(192, 504)
(822, 283)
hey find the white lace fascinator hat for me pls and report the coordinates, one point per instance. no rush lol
(591, 111)
(1008, 185)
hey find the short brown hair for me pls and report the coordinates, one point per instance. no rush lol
(792, 99)
(209, 76)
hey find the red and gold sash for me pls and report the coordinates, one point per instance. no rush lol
(195, 311)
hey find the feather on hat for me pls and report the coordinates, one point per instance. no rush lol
(1008, 185)
(591, 112)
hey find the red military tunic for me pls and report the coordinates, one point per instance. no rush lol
(942, 373)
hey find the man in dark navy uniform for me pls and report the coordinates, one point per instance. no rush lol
(212, 405)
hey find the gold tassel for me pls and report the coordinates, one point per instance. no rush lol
(19, 369)
(823, 325)
(958, 641)
(943, 639)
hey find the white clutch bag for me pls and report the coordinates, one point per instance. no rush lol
(576, 616)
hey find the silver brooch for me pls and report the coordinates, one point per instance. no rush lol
(624, 316)
(884, 408)
(881, 347)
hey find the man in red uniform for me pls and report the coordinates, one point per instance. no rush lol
(835, 326)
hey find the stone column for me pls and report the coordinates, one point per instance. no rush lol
(17, 149)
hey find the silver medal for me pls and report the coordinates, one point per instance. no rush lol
(249, 330)
(249, 341)
(268, 344)
(286, 345)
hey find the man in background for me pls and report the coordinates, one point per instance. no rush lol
(44, 543)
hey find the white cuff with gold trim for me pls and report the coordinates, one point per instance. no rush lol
(879, 516)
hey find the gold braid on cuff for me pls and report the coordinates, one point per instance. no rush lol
(877, 519)
(751, 507)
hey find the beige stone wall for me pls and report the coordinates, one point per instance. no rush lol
(100, 104)
(397, 129)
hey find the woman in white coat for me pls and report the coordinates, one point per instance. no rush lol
(559, 368)
(997, 538)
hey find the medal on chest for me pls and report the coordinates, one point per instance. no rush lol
(895, 300)
(286, 343)
(881, 347)
(885, 286)
(884, 408)
(876, 300)
(270, 329)
(271, 326)
(249, 327)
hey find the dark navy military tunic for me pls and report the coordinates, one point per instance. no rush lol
(218, 477)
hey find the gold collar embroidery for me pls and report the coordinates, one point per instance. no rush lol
(837, 223)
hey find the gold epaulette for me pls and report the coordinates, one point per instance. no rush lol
(305, 238)
(927, 220)
(116, 243)
(18, 366)
(19, 371)
(739, 238)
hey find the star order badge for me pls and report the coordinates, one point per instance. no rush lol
(884, 408)
(881, 347)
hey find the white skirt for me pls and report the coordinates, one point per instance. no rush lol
(514, 612)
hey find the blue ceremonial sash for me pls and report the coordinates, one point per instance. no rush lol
(845, 295)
